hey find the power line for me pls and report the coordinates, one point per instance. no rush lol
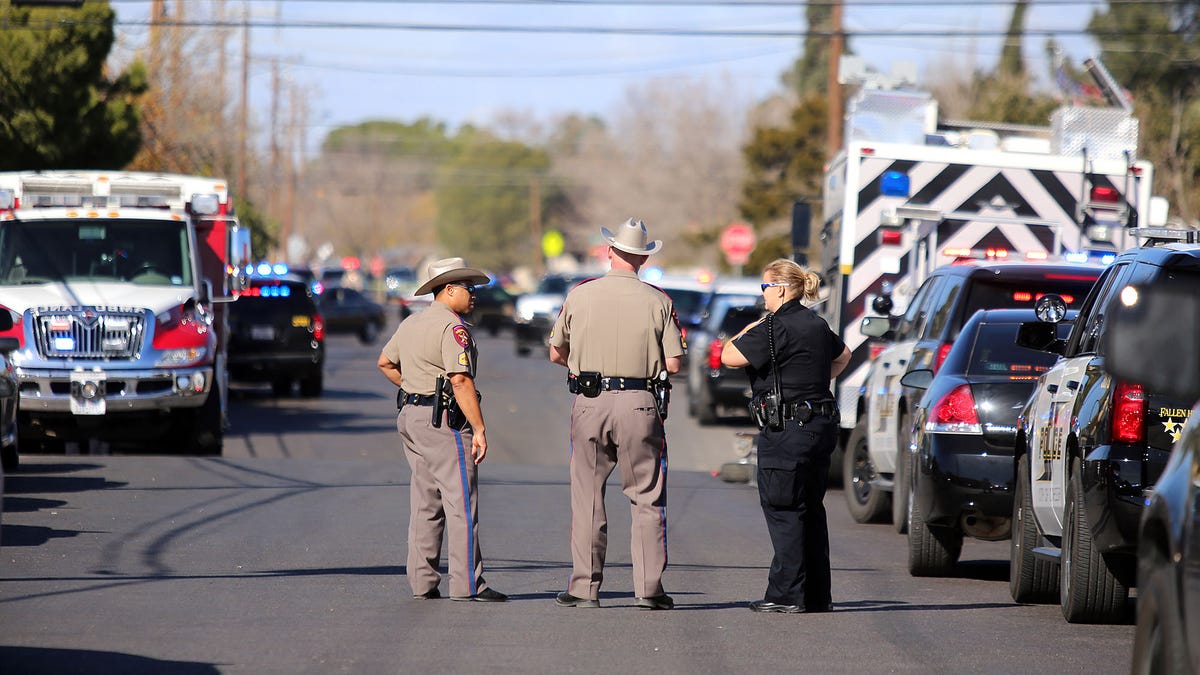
(721, 3)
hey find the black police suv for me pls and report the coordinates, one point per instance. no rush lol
(921, 338)
(722, 389)
(277, 336)
(1167, 638)
(959, 466)
(1090, 447)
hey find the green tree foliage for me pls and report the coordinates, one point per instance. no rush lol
(1153, 49)
(484, 200)
(1006, 94)
(59, 109)
(810, 72)
(263, 234)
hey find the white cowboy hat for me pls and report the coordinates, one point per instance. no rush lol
(448, 271)
(631, 237)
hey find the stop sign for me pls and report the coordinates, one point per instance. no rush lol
(737, 241)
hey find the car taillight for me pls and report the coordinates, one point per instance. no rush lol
(1129, 413)
(714, 354)
(941, 356)
(318, 327)
(955, 413)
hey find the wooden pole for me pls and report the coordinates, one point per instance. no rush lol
(834, 98)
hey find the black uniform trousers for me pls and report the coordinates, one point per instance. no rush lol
(793, 474)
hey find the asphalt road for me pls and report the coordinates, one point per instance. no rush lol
(286, 555)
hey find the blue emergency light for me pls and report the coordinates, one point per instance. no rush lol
(894, 184)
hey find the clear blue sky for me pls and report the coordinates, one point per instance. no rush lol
(456, 76)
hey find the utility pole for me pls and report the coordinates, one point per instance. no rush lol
(535, 222)
(244, 112)
(834, 109)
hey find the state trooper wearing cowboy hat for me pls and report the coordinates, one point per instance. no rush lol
(442, 453)
(617, 335)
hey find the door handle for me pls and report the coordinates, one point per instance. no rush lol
(903, 362)
(1072, 384)
(1052, 388)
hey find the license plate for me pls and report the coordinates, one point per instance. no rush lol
(262, 332)
(87, 406)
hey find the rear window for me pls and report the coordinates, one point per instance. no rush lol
(996, 352)
(686, 301)
(738, 318)
(274, 296)
(988, 293)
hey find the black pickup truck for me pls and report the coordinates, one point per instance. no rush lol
(1089, 450)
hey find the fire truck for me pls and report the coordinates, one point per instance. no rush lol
(116, 283)
(909, 193)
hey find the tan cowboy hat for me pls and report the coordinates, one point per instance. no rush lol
(631, 237)
(448, 271)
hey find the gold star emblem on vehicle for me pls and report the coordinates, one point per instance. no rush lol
(1172, 427)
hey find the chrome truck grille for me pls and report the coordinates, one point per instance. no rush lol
(88, 333)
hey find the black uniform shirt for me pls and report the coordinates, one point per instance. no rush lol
(805, 348)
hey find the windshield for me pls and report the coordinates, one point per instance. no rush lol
(558, 285)
(687, 302)
(149, 252)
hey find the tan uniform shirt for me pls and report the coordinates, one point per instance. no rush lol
(619, 326)
(428, 344)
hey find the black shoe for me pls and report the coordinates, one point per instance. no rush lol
(765, 606)
(432, 594)
(565, 599)
(663, 601)
(486, 595)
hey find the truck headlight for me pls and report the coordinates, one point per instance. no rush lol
(186, 356)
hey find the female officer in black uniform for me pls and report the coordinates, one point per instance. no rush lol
(797, 416)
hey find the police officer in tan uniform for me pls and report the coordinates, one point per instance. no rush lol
(442, 493)
(617, 336)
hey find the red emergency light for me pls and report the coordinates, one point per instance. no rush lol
(890, 237)
(1105, 195)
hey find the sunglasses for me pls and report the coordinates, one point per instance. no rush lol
(470, 288)
(774, 283)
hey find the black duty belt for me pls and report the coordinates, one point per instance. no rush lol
(418, 399)
(801, 409)
(616, 384)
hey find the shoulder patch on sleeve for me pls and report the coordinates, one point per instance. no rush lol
(461, 336)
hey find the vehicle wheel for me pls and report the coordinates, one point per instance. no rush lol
(1089, 591)
(901, 493)
(281, 387)
(706, 409)
(313, 385)
(208, 427)
(932, 551)
(10, 459)
(1030, 579)
(1159, 638)
(866, 503)
(369, 333)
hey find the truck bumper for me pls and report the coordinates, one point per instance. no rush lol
(60, 390)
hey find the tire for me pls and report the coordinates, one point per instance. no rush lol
(1030, 579)
(867, 503)
(1089, 591)
(369, 333)
(208, 432)
(10, 458)
(281, 387)
(932, 551)
(706, 410)
(904, 477)
(313, 385)
(1158, 640)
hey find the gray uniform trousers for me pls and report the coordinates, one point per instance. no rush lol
(442, 496)
(618, 428)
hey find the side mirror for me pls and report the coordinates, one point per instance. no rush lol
(876, 326)
(1146, 337)
(6, 320)
(9, 345)
(1040, 336)
(918, 379)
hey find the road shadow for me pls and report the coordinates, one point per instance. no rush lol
(39, 660)
(30, 504)
(261, 417)
(982, 570)
(32, 535)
